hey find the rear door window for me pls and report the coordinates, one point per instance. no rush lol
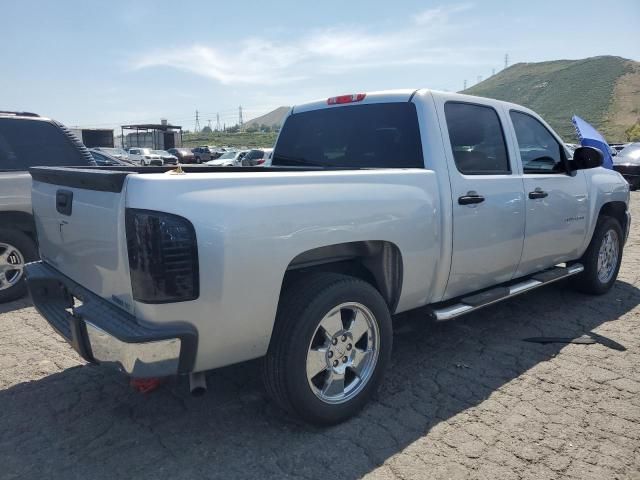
(382, 135)
(477, 139)
(32, 143)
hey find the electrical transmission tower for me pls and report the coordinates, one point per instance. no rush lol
(506, 60)
(479, 78)
(217, 122)
(240, 122)
(197, 127)
(465, 84)
(209, 124)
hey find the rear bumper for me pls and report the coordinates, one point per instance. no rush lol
(103, 333)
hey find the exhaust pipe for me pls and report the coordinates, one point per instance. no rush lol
(197, 384)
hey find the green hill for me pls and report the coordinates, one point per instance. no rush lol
(605, 91)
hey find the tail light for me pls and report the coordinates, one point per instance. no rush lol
(163, 257)
(260, 161)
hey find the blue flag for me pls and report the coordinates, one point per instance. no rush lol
(590, 137)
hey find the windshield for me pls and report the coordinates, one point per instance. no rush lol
(160, 152)
(382, 135)
(227, 155)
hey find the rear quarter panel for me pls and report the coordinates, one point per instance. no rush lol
(251, 225)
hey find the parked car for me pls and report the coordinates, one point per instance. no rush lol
(229, 159)
(119, 153)
(627, 162)
(258, 157)
(144, 156)
(376, 204)
(205, 153)
(103, 159)
(619, 146)
(167, 158)
(184, 155)
(26, 140)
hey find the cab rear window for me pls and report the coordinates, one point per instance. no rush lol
(382, 135)
(32, 143)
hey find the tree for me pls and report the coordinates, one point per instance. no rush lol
(633, 132)
(206, 129)
(234, 129)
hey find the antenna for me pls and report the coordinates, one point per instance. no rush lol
(197, 127)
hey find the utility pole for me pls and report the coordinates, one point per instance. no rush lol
(197, 127)
(240, 122)
(506, 60)
(217, 122)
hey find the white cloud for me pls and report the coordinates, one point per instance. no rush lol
(329, 51)
(439, 15)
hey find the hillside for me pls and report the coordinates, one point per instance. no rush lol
(605, 91)
(270, 119)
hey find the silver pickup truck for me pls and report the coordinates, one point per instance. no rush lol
(376, 204)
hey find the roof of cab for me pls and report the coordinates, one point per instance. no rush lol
(384, 96)
(405, 95)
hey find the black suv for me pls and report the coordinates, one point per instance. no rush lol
(27, 140)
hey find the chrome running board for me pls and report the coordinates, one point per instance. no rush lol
(488, 297)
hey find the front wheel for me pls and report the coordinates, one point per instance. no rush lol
(329, 348)
(602, 259)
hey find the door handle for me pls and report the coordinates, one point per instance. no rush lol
(537, 193)
(470, 199)
(64, 202)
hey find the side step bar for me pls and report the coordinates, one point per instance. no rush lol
(497, 294)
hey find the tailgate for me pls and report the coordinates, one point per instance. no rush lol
(79, 216)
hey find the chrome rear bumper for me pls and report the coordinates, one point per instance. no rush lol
(103, 333)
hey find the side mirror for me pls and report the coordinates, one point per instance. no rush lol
(586, 157)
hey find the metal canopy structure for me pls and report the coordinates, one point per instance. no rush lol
(162, 135)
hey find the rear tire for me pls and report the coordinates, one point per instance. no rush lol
(339, 326)
(16, 249)
(602, 259)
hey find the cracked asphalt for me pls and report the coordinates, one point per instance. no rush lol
(464, 399)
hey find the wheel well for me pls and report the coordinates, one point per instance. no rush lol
(616, 210)
(376, 262)
(21, 221)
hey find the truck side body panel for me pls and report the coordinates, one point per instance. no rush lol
(251, 226)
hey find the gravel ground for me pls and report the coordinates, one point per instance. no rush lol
(465, 399)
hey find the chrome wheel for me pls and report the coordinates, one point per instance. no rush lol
(343, 353)
(608, 256)
(11, 266)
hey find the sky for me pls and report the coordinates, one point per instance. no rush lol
(106, 63)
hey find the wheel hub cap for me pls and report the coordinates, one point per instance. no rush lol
(343, 353)
(11, 266)
(608, 256)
